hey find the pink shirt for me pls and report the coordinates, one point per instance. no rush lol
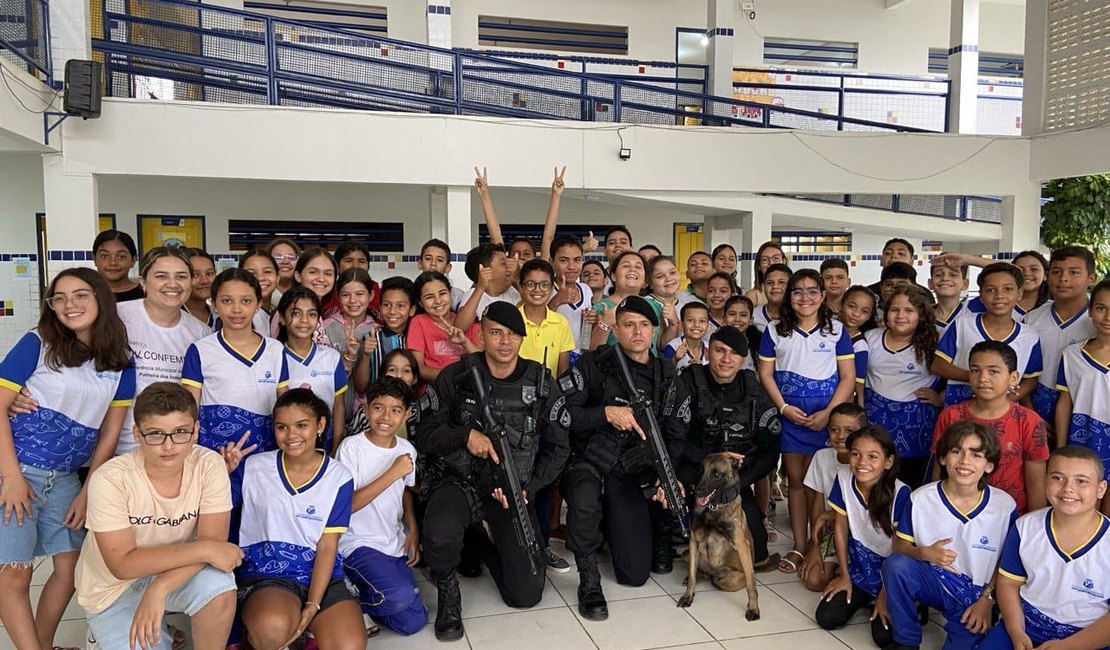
(428, 338)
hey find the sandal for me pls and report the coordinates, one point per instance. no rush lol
(772, 534)
(178, 636)
(786, 565)
(372, 631)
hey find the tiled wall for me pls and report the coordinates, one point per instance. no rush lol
(19, 296)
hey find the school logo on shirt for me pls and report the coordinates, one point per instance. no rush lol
(310, 513)
(1088, 587)
(985, 545)
(268, 378)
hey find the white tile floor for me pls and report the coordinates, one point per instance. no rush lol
(639, 618)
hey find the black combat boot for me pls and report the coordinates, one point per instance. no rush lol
(662, 547)
(591, 602)
(449, 626)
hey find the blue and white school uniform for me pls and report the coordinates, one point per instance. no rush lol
(955, 347)
(760, 319)
(1063, 590)
(281, 523)
(1055, 335)
(975, 306)
(54, 441)
(573, 311)
(944, 323)
(868, 545)
(671, 349)
(977, 538)
(322, 369)
(890, 378)
(807, 376)
(62, 433)
(1088, 383)
(238, 390)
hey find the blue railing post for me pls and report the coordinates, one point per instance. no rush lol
(616, 101)
(961, 208)
(895, 203)
(840, 106)
(457, 62)
(271, 63)
(583, 87)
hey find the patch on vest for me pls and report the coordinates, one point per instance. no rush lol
(528, 394)
(579, 380)
(770, 421)
(564, 419)
(684, 411)
(566, 383)
(558, 406)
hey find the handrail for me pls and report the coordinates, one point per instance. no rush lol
(34, 48)
(209, 46)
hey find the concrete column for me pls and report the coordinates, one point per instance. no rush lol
(71, 33)
(71, 201)
(439, 23)
(963, 66)
(720, 30)
(1036, 66)
(1021, 219)
(452, 221)
(755, 229)
(725, 229)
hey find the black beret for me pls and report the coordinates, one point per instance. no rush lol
(637, 305)
(507, 315)
(733, 338)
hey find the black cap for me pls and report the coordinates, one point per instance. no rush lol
(507, 315)
(733, 338)
(637, 305)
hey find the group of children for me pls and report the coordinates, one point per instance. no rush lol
(906, 448)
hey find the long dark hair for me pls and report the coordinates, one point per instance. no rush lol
(872, 322)
(925, 336)
(290, 298)
(1042, 291)
(762, 247)
(108, 350)
(423, 279)
(881, 499)
(788, 320)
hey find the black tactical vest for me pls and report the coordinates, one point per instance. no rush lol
(726, 426)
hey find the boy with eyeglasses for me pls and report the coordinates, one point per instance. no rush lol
(159, 518)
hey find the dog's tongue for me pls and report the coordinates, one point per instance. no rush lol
(704, 501)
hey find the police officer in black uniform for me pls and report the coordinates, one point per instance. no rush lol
(464, 487)
(602, 482)
(720, 407)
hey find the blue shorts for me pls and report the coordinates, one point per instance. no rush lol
(111, 626)
(42, 533)
(387, 589)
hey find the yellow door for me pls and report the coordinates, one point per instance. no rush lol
(688, 238)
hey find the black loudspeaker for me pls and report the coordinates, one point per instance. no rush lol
(83, 88)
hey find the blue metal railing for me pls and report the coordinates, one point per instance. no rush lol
(985, 209)
(210, 53)
(25, 35)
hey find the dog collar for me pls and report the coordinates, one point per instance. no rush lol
(724, 496)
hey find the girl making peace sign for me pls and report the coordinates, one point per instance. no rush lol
(433, 337)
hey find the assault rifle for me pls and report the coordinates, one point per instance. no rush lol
(644, 412)
(495, 428)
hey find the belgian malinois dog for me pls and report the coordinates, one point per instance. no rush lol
(720, 542)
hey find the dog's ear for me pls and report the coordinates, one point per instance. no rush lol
(736, 464)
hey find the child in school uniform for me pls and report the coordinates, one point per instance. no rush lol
(693, 346)
(898, 391)
(1021, 433)
(949, 541)
(775, 279)
(351, 329)
(383, 541)
(314, 366)
(718, 290)
(819, 567)
(1055, 566)
(296, 502)
(76, 365)
(858, 311)
(807, 367)
(1063, 321)
(316, 270)
(869, 503)
(397, 309)
(948, 283)
(236, 374)
(1083, 406)
(738, 314)
(999, 287)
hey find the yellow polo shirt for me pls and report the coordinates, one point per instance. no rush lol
(552, 334)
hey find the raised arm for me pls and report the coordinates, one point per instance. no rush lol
(552, 214)
(481, 183)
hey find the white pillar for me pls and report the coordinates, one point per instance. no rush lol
(963, 66)
(725, 229)
(1021, 220)
(439, 23)
(1036, 65)
(755, 229)
(70, 34)
(70, 197)
(452, 221)
(720, 30)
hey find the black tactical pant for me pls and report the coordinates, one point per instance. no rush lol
(592, 498)
(451, 509)
(690, 474)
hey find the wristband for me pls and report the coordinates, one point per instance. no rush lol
(309, 602)
(783, 408)
(604, 327)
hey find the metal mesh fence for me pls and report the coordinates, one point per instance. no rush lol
(24, 35)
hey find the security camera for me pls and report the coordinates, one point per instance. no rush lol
(625, 153)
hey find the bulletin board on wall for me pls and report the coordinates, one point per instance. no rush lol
(165, 230)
